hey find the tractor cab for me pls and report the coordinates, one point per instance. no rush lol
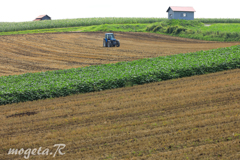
(109, 36)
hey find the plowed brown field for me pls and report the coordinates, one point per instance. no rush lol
(41, 52)
(196, 117)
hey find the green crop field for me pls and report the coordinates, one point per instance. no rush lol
(197, 30)
(139, 27)
(33, 86)
(219, 20)
(221, 27)
(20, 26)
(224, 30)
(31, 25)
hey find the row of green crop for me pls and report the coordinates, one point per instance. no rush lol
(19, 26)
(33, 86)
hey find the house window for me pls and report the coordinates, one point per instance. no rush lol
(184, 14)
(170, 15)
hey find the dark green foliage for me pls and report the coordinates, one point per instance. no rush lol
(157, 28)
(173, 26)
(168, 29)
(151, 27)
(154, 28)
(34, 86)
(175, 29)
(179, 30)
(184, 23)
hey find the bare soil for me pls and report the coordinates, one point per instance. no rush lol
(42, 52)
(189, 118)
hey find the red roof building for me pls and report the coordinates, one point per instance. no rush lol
(186, 9)
(186, 13)
(42, 17)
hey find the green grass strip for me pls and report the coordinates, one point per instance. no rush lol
(220, 27)
(34, 86)
(218, 20)
(139, 27)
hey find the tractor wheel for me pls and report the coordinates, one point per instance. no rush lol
(109, 44)
(104, 43)
(118, 44)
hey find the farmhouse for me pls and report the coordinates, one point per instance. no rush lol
(42, 17)
(186, 13)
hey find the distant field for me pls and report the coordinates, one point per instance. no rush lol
(197, 30)
(138, 27)
(66, 23)
(218, 20)
(222, 27)
(189, 118)
(31, 25)
(227, 31)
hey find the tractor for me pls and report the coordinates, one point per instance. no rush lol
(110, 41)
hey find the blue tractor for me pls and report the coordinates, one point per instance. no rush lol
(110, 41)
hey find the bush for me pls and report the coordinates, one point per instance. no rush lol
(189, 31)
(178, 30)
(157, 28)
(171, 29)
(184, 23)
(151, 27)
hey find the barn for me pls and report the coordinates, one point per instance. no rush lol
(42, 17)
(186, 13)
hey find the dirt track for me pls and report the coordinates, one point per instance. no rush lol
(189, 118)
(41, 52)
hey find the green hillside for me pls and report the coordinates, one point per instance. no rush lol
(219, 30)
(197, 30)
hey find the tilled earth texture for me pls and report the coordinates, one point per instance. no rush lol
(41, 52)
(194, 117)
